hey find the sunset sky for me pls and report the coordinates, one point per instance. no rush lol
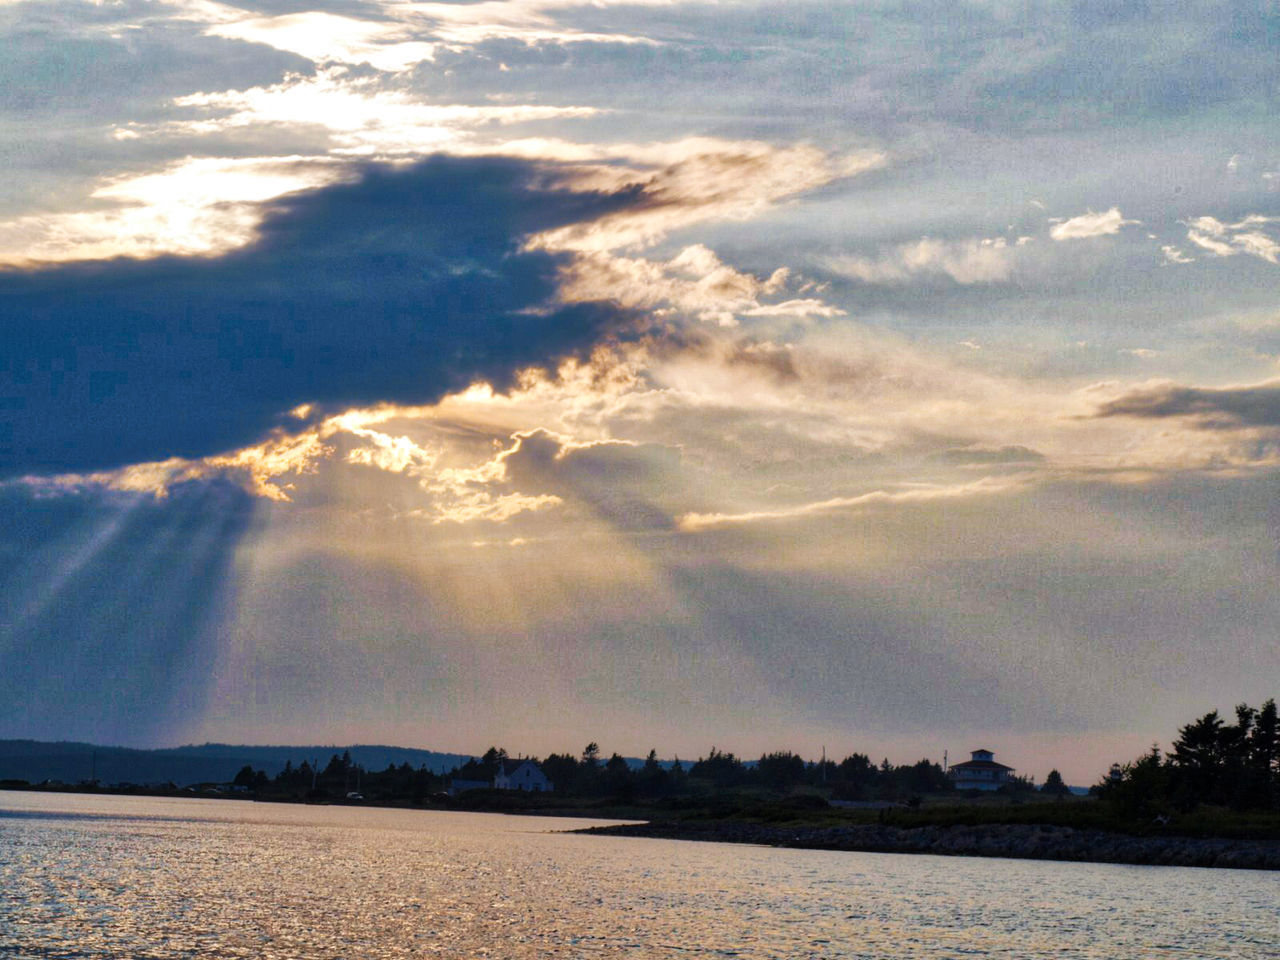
(891, 377)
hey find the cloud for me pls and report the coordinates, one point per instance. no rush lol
(1091, 224)
(326, 37)
(697, 180)
(964, 261)
(205, 205)
(400, 35)
(1228, 239)
(1212, 408)
(695, 522)
(401, 286)
(1013, 454)
(695, 283)
(262, 469)
(1173, 254)
(359, 113)
(528, 21)
(618, 480)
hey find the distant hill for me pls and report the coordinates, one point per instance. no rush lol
(34, 761)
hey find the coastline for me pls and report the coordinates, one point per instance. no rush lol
(1019, 841)
(1029, 841)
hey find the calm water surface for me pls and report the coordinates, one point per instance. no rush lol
(84, 876)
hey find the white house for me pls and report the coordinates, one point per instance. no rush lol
(521, 775)
(980, 773)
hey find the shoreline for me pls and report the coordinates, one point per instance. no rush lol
(1017, 841)
(1025, 841)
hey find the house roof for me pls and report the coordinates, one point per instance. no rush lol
(979, 765)
(508, 767)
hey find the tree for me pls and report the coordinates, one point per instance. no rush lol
(855, 776)
(1053, 784)
(924, 776)
(780, 770)
(651, 764)
(493, 756)
(617, 776)
(722, 769)
(245, 778)
(1142, 789)
(676, 775)
(653, 780)
(562, 770)
(1264, 755)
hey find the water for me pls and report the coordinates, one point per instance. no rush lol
(155, 879)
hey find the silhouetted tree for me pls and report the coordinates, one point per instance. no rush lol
(562, 770)
(1264, 756)
(653, 779)
(1054, 784)
(483, 768)
(1198, 759)
(720, 769)
(1141, 790)
(618, 778)
(855, 777)
(676, 775)
(780, 770)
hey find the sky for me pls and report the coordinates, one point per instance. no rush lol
(892, 377)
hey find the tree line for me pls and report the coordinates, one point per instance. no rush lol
(1214, 761)
(590, 775)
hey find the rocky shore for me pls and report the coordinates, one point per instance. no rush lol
(1034, 842)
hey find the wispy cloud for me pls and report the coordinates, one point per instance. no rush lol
(326, 38)
(694, 522)
(360, 115)
(695, 283)
(1246, 236)
(1089, 225)
(985, 260)
(399, 35)
(697, 180)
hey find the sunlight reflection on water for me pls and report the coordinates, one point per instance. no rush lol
(156, 879)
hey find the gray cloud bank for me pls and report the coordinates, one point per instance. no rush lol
(1257, 405)
(399, 287)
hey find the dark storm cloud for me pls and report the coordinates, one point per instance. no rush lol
(1216, 409)
(398, 287)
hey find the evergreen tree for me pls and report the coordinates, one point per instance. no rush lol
(617, 777)
(1053, 784)
(780, 770)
